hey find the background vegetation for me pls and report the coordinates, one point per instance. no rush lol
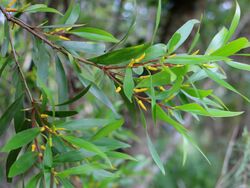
(225, 141)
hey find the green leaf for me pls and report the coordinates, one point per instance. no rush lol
(87, 146)
(119, 155)
(157, 21)
(12, 156)
(72, 14)
(5, 63)
(94, 34)
(223, 83)
(182, 130)
(238, 65)
(41, 8)
(108, 129)
(232, 47)
(83, 47)
(197, 109)
(23, 163)
(234, 23)
(61, 114)
(41, 60)
(75, 98)
(9, 114)
(173, 42)
(33, 181)
(84, 124)
(65, 182)
(5, 45)
(48, 157)
(84, 169)
(120, 56)
(201, 93)
(184, 31)
(20, 139)
(218, 41)
(62, 83)
(155, 51)
(128, 84)
(158, 79)
(73, 156)
(155, 155)
(195, 59)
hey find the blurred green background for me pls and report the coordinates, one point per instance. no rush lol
(226, 141)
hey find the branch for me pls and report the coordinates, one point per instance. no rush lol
(39, 35)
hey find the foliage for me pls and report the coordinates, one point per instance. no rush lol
(54, 140)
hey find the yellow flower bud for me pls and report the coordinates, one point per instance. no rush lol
(11, 3)
(136, 90)
(131, 64)
(40, 155)
(208, 66)
(63, 38)
(152, 68)
(42, 147)
(139, 59)
(44, 116)
(11, 10)
(33, 147)
(143, 77)
(42, 129)
(118, 89)
(161, 88)
(171, 56)
(141, 105)
(196, 52)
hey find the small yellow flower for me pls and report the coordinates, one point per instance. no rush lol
(42, 129)
(208, 66)
(11, 3)
(196, 52)
(161, 88)
(43, 147)
(185, 85)
(11, 10)
(179, 65)
(118, 89)
(63, 38)
(33, 147)
(171, 56)
(136, 90)
(141, 105)
(40, 155)
(152, 68)
(144, 77)
(44, 116)
(139, 59)
(131, 64)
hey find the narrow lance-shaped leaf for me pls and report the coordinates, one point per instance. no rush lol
(75, 98)
(120, 56)
(157, 20)
(23, 163)
(234, 23)
(155, 155)
(223, 83)
(33, 181)
(184, 31)
(237, 65)
(20, 139)
(9, 114)
(94, 34)
(182, 130)
(108, 129)
(231, 48)
(128, 84)
(87, 145)
(41, 8)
